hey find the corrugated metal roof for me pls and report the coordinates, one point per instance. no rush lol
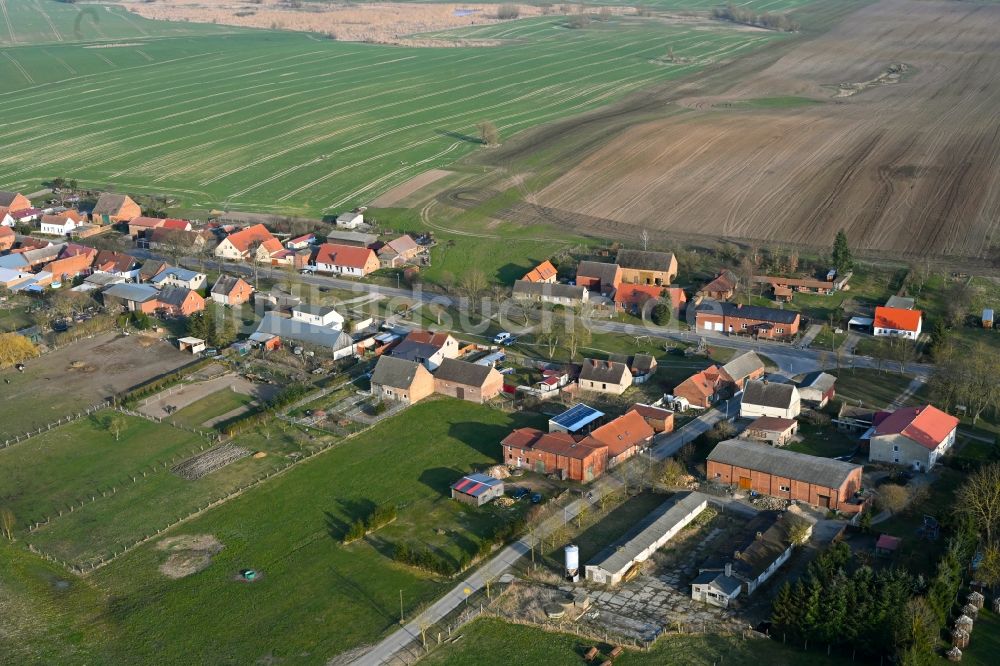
(824, 472)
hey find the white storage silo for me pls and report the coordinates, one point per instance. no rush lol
(572, 563)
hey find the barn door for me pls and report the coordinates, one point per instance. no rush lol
(745, 483)
(460, 393)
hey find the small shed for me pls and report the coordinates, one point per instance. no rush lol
(193, 345)
(476, 489)
(988, 318)
(887, 545)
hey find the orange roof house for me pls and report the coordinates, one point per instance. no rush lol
(897, 322)
(555, 453)
(14, 201)
(702, 388)
(658, 418)
(114, 208)
(543, 272)
(236, 246)
(7, 238)
(913, 436)
(69, 267)
(624, 436)
(345, 259)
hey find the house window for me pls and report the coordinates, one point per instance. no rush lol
(604, 386)
(781, 330)
(718, 475)
(895, 447)
(784, 489)
(743, 326)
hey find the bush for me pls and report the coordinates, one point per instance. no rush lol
(507, 12)
(661, 314)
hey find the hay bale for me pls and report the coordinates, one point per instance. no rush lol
(954, 654)
(964, 622)
(959, 638)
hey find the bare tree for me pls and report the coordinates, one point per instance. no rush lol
(893, 498)
(488, 133)
(644, 238)
(473, 283)
(979, 499)
(577, 335)
(7, 523)
(115, 424)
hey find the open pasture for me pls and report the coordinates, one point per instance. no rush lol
(291, 123)
(907, 163)
(289, 528)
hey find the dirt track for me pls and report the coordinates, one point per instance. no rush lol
(912, 167)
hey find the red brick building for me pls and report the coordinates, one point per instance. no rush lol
(752, 320)
(555, 453)
(822, 482)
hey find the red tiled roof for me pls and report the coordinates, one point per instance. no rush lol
(771, 424)
(148, 222)
(183, 225)
(637, 294)
(562, 444)
(897, 318)
(438, 339)
(243, 239)
(703, 382)
(541, 272)
(650, 412)
(522, 438)
(114, 261)
(623, 433)
(927, 425)
(343, 255)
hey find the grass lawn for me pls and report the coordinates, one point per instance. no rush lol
(14, 319)
(869, 387)
(828, 340)
(46, 615)
(985, 647)
(825, 442)
(316, 598)
(209, 407)
(501, 643)
(920, 556)
(611, 526)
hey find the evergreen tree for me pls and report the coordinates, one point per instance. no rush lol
(784, 611)
(843, 260)
(833, 610)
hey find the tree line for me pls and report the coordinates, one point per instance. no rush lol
(770, 21)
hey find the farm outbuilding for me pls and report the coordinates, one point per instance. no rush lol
(612, 564)
(476, 489)
(193, 345)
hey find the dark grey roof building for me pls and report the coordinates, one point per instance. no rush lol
(824, 472)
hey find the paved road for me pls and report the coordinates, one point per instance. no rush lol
(663, 447)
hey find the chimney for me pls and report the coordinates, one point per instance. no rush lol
(729, 569)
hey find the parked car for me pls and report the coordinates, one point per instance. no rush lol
(501, 337)
(518, 493)
(536, 498)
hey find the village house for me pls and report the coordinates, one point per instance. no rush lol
(624, 436)
(355, 238)
(577, 419)
(175, 240)
(467, 381)
(604, 376)
(7, 238)
(6, 219)
(477, 489)
(787, 286)
(118, 264)
(822, 482)
(238, 246)
(897, 322)
(644, 267)
(543, 272)
(638, 299)
(817, 389)
(427, 348)
(143, 226)
(746, 367)
(11, 277)
(752, 320)
(179, 277)
(301, 242)
(271, 251)
(722, 288)
(345, 260)
(14, 201)
(72, 262)
(764, 398)
(318, 315)
(642, 367)
(916, 437)
(151, 268)
(599, 276)
(399, 251)
(401, 380)
(179, 302)
(555, 453)
(350, 220)
(114, 208)
(702, 389)
(547, 292)
(60, 224)
(659, 419)
(772, 430)
(231, 290)
(131, 297)
(328, 340)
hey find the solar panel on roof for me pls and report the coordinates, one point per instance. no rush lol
(577, 416)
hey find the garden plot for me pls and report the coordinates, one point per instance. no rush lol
(174, 401)
(209, 461)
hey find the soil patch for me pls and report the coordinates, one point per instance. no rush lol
(189, 554)
(400, 192)
(911, 166)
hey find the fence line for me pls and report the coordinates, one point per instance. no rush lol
(55, 424)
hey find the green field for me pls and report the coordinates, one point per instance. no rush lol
(503, 643)
(209, 407)
(292, 123)
(316, 597)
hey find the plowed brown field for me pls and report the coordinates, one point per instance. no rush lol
(910, 167)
